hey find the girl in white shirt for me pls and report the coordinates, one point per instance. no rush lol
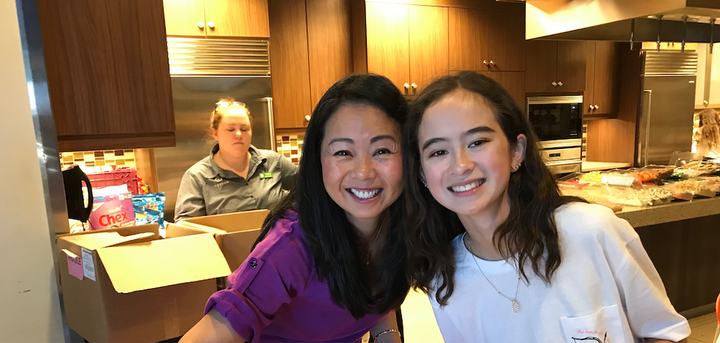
(503, 256)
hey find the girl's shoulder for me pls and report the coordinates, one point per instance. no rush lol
(582, 221)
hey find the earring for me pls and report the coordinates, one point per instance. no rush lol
(516, 167)
(425, 183)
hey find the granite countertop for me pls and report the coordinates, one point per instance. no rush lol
(595, 166)
(676, 211)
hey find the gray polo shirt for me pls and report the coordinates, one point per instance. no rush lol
(207, 189)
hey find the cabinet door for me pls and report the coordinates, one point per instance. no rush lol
(589, 94)
(571, 66)
(540, 66)
(388, 42)
(182, 17)
(108, 73)
(239, 18)
(513, 82)
(607, 62)
(428, 45)
(289, 63)
(506, 40)
(467, 39)
(329, 45)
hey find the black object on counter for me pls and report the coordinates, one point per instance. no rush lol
(73, 179)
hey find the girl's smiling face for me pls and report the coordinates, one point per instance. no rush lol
(465, 156)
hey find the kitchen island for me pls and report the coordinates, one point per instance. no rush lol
(683, 241)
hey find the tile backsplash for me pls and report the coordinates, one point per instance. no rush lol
(118, 158)
(290, 146)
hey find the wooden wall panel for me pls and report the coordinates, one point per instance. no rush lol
(329, 44)
(467, 39)
(388, 42)
(289, 62)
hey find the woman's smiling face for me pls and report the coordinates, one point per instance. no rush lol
(361, 162)
(466, 158)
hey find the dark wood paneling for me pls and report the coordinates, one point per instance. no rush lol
(506, 40)
(666, 244)
(467, 39)
(428, 35)
(703, 267)
(589, 94)
(329, 45)
(388, 48)
(359, 36)
(289, 62)
(541, 58)
(114, 142)
(605, 79)
(571, 66)
(107, 67)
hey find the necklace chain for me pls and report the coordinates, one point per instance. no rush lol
(367, 259)
(515, 303)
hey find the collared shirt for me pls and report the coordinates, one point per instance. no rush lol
(207, 189)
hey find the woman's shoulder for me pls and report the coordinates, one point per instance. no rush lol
(579, 221)
(201, 168)
(285, 237)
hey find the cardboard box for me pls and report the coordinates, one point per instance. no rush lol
(130, 285)
(235, 233)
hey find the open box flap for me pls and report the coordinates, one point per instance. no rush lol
(178, 230)
(99, 240)
(163, 262)
(232, 222)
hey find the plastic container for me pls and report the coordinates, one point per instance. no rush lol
(120, 176)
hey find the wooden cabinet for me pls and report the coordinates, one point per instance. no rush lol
(407, 44)
(209, 18)
(513, 82)
(310, 50)
(107, 73)
(555, 67)
(486, 40)
(601, 81)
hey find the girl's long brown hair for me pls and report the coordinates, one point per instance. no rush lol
(528, 235)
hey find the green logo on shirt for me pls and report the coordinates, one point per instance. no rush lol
(267, 175)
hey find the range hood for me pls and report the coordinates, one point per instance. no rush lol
(624, 20)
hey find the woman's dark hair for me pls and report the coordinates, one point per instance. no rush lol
(334, 242)
(529, 234)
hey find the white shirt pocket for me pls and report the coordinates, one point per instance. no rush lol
(603, 326)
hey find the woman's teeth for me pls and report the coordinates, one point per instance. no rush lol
(465, 188)
(365, 194)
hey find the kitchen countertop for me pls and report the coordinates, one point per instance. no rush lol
(676, 211)
(594, 166)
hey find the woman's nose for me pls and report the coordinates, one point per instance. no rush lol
(364, 169)
(462, 163)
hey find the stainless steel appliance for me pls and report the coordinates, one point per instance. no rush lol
(203, 71)
(557, 121)
(668, 104)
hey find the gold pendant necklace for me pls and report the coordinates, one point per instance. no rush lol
(515, 305)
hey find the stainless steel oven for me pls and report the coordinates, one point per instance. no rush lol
(557, 121)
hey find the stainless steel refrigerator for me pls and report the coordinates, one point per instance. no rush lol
(665, 123)
(203, 71)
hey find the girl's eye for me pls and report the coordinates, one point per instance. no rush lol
(438, 153)
(342, 153)
(383, 151)
(477, 143)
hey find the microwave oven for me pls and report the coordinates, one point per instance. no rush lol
(557, 122)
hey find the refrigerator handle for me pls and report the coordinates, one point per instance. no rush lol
(271, 123)
(646, 133)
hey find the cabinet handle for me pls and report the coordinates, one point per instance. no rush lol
(597, 107)
(414, 86)
(492, 63)
(592, 107)
(560, 83)
(307, 117)
(407, 87)
(201, 25)
(485, 62)
(211, 25)
(554, 84)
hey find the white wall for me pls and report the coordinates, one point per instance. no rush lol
(29, 305)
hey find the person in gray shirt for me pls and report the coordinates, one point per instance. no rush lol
(236, 176)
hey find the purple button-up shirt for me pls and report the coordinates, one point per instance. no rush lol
(276, 295)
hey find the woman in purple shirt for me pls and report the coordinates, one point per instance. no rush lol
(330, 263)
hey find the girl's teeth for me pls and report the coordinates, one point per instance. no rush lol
(466, 188)
(365, 194)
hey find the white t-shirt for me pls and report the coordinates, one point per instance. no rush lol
(606, 290)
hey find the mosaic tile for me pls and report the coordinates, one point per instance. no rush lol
(294, 152)
(294, 143)
(285, 138)
(295, 160)
(286, 154)
(120, 162)
(119, 153)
